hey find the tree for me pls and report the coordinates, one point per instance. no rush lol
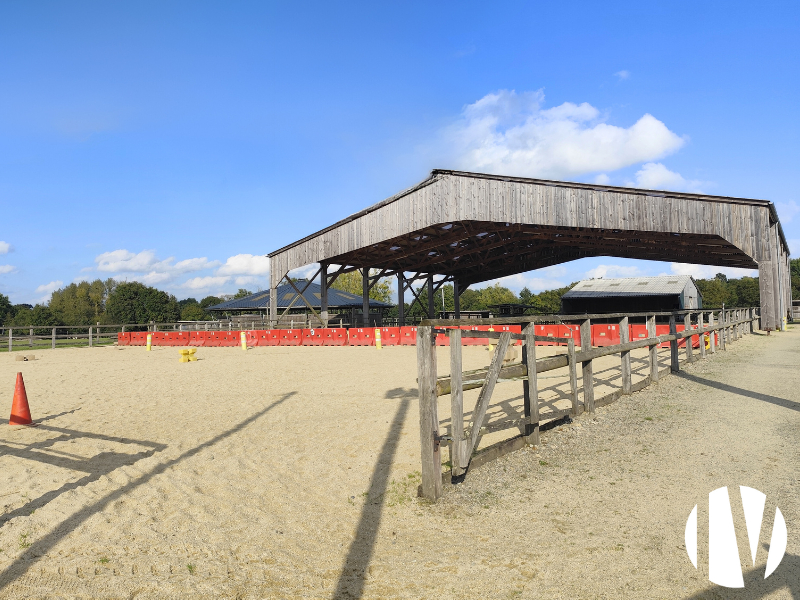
(137, 303)
(242, 293)
(82, 303)
(6, 310)
(352, 282)
(193, 312)
(38, 316)
(209, 301)
(794, 270)
(525, 296)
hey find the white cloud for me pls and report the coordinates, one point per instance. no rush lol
(246, 280)
(602, 179)
(655, 176)
(613, 271)
(787, 211)
(622, 74)
(5, 248)
(203, 283)
(146, 267)
(49, 288)
(245, 264)
(709, 271)
(511, 133)
(7, 269)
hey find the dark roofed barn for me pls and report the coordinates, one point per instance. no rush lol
(632, 294)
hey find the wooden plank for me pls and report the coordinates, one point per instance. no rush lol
(673, 346)
(486, 392)
(458, 461)
(428, 415)
(625, 356)
(588, 381)
(651, 333)
(700, 319)
(573, 379)
(687, 325)
(712, 342)
(475, 379)
(530, 387)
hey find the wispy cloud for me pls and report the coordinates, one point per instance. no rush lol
(7, 269)
(49, 288)
(204, 283)
(612, 271)
(621, 75)
(147, 268)
(655, 176)
(245, 264)
(511, 133)
(5, 248)
(709, 271)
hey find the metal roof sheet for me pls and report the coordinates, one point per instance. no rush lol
(630, 286)
(285, 295)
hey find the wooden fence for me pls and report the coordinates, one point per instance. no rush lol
(730, 325)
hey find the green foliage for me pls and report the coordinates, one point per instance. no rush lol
(6, 309)
(82, 303)
(794, 270)
(352, 282)
(242, 293)
(193, 312)
(137, 303)
(731, 292)
(38, 316)
(209, 301)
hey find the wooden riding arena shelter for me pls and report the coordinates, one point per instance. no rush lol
(467, 228)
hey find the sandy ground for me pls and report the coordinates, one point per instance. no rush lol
(292, 473)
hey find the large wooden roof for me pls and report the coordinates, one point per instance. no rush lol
(474, 227)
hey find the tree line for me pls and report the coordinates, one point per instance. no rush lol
(113, 302)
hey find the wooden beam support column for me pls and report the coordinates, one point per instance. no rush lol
(456, 299)
(365, 296)
(401, 299)
(588, 381)
(625, 357)
(700, 321)
(323, 293)
(431, 307)
(458, 459)
(428, 415)
(573, 378)
(530, 386)
(651, 333)
(675, 365)
(687, 325)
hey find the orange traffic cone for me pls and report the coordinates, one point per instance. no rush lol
(20, 411)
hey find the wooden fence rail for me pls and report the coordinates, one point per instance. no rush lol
(729, 325)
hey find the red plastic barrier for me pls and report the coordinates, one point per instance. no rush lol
(197, 338)
(291, 337)
(548, 331)
(269, 337)
(469, 341)
(313, 337)
(138, 338)
(408, 336)
(231, 338)
(214, 338)
(606, 334)
(442, 339)
(182, 338)
(637, 332)
(335, 337)
(390, 336)
(158, 338)
(358, 336)
(253, 337)
(664, 330)
(124, 339)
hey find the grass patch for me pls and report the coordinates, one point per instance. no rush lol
(103, 560)
(404, 490)
(191, 569)
(23, 541)
(543, 463)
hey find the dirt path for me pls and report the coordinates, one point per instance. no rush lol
(255, 476)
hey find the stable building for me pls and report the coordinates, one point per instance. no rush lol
(632, 294)
(344, 309)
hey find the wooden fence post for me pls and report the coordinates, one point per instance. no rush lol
(701, 337)
(673, 346)
(573, 378)
(90, 336)
(752, 314)
(530, 386)
(54, 338)
(10, 338)
(651, 333)
(588, 381)
(428, 415)
(625, 357)
(687, 325)
(713, 335)
(30, 337)
(458, 462)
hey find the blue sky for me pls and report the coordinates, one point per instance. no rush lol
(177, 143)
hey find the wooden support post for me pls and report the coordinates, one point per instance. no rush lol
(573, 378)
(530, 386)
(428, 415)
(456, 299)
(365, 296)
(10, 338)
(588, 381)
(485, 394)
(752, 315)
(458, 461)
(687, 326)
(723, 333)
(401, 302)
(323, 293)
(713, 336)
(90, 336)
(431, 307)
(54, 338)
(700, 321)
(673, 346)
(651, 333)
(624, 338)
